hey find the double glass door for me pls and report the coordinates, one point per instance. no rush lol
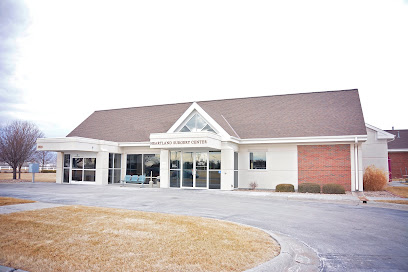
(195, 166)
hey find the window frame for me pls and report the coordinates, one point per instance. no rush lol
(251, 165)
(113, 169)
(83, 169)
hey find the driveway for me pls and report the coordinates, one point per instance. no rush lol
(346, 237)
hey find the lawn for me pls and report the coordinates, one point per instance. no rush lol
(78, 238)
(12, 201)
(39, 177)
(400, 191)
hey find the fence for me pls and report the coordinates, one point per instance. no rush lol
(25, 168)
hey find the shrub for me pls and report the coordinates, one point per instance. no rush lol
(333, 189)
(285, 188)
(253, 185)
(48, 171)
(374, 179)
(309, 188)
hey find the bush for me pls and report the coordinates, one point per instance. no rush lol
(309, 188)
(48, 171)
(333, 189)
(285, 188)
(374, 179)
(253, 185)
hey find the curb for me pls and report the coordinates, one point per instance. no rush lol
(9, 269)
(294, 256)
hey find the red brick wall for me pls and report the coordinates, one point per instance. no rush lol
(324, 164)
(399, 160)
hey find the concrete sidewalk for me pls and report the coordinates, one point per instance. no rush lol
(27, 207)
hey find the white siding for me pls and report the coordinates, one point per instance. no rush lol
(375, 151)
(281, 166)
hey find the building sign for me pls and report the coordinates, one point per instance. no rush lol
(185, 140)
(179, 142)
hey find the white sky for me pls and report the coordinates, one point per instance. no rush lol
(82, 56)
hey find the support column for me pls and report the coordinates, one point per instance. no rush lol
(227, 169)
(164, 169)
(123, 164)
(60, 169)
(360, 166)
(102, 166)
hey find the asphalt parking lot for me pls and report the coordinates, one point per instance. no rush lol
(345, 236)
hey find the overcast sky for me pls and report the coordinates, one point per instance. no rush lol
(62, 60)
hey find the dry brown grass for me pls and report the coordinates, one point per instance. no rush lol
(394, 201)
(398, 190)
(78, 238)
(374, 179)
(39, 177)
(12, 201)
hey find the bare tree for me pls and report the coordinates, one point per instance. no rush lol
(18, 143)
(44, 157)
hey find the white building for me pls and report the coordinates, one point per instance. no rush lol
(220, 144)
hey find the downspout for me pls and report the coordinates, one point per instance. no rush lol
(356, 163)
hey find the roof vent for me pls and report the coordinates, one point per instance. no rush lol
(392, 127)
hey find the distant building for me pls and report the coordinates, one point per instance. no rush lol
(398, 153)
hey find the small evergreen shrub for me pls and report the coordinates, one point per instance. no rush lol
(333, 189)
(285, 188)
(374, 179)
(48, 171)
(309, 188)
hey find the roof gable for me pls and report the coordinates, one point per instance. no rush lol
(380, 134)
(189, 113)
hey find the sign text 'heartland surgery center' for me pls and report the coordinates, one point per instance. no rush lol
(179, 142)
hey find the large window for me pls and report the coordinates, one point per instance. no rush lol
(134, 164)
(67, 159)
(235, 170)
(196, 124)
(83, 169)
(215, 170)
(175, 157)
(115, 161)
(257, 160)
(143, 164)
(151, 165)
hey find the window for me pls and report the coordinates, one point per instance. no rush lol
(215, 170)
(235, 170)
(115, 161)
(83, 169)
(175, 157)
(196, 124)
(143, 164)
(151, 165)
(257, 160)
(134, 164)
(67, 159)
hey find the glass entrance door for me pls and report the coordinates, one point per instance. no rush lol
(195, 166)
(188, 169)
(201, 161)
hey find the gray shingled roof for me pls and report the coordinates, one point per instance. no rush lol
(401, 142)
(331, 113)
